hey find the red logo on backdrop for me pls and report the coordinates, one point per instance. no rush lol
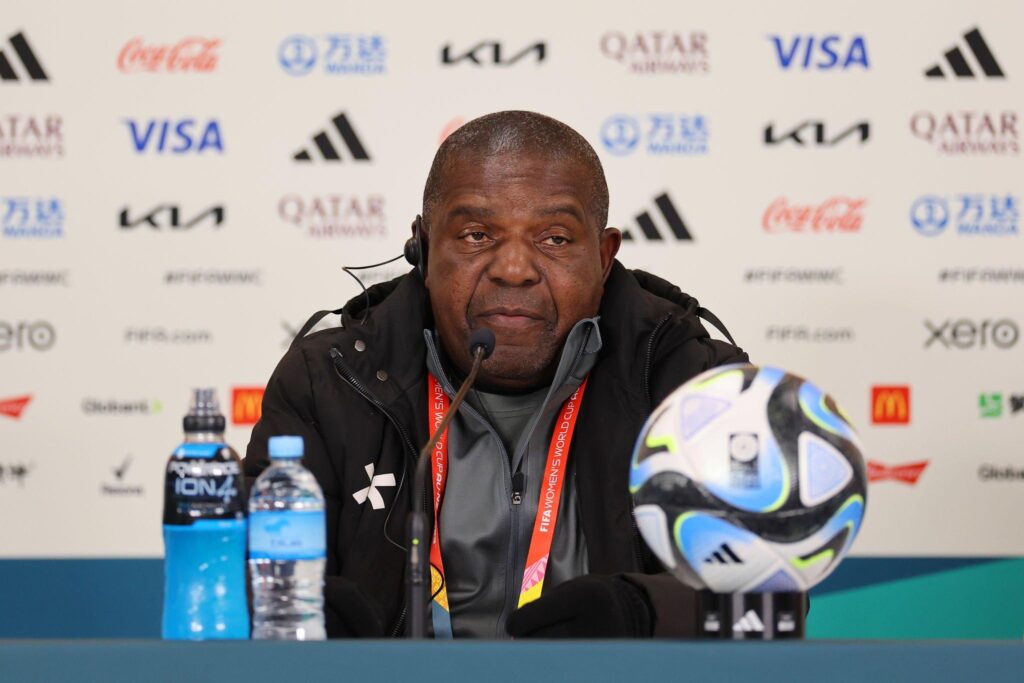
(835, 214)
(192, 54)
(890, 405)
(13, 407)
(905, 474)
(246, 405)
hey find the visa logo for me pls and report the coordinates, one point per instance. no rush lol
(165, 136)
(820, 52)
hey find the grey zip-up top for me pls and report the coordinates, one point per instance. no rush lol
(485, 537)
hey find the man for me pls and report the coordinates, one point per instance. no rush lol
(514, 240)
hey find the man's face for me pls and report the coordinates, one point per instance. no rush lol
(514, 247)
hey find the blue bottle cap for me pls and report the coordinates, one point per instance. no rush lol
(285, 446)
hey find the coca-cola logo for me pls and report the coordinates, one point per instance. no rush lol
(835, 214)
(193, 54)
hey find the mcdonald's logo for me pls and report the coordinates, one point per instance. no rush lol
(890, 405)
(246, 405)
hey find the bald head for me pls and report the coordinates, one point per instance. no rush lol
(518, 134)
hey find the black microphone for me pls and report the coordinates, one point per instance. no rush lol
(417, 583)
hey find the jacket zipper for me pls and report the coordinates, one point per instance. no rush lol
(347, 375)
(646, 377)
(513, 511)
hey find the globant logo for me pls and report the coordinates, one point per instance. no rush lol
(976, 215)
(31, 137)
(663, 134)
(658, 52)
(968, 132)
(189, 55)
(32, 217)
(112, 406)
(834, 215)
(23, 335)
(820, 53)
(335, 215)
(990, 473)
(334, 54)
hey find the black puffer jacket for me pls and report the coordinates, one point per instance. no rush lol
(365, 404)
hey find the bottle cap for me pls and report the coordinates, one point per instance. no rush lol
(285, 446)
(204, 413)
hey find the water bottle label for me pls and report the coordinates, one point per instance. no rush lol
(287, 535)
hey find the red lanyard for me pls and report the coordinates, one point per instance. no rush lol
(547, 507)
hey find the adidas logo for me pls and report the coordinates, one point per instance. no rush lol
(749, 623)
(28, 60)
(959, 64)
(326, 147)
(650, 231)
(724, 555)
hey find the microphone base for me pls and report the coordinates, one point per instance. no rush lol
(417, 578)
(751, 616)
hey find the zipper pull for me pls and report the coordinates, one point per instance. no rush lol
(518, 485)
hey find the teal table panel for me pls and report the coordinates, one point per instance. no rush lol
(256, 662)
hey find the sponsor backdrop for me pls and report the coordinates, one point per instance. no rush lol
(182, 184)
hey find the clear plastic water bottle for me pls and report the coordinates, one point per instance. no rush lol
(287, 547)
(204, 531)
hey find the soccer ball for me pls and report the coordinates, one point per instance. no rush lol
(748, 480)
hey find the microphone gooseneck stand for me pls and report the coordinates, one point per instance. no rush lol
(417, 579)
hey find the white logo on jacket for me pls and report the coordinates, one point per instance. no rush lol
(371, 492)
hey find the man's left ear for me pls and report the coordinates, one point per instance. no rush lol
(611, 240)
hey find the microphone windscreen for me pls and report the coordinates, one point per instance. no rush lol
(482, 337)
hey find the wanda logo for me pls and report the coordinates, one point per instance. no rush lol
(192, 54)
(835, 214)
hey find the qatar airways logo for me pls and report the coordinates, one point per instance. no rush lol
(658, 52)
(968, 132)
(189, 55)
(834, 215)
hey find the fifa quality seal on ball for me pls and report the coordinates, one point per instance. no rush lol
(748, 480)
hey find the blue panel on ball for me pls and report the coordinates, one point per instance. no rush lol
(824, 470)
(697, 411)
(779, 582)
